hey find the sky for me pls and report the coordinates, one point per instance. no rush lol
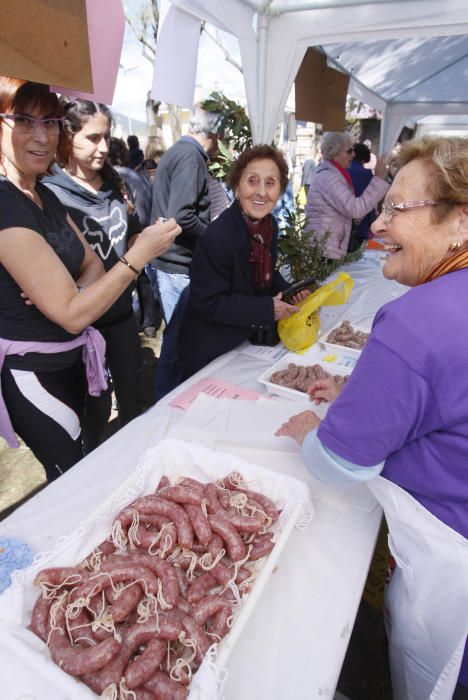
(213, 72)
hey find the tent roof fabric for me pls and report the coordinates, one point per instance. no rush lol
(405, 57)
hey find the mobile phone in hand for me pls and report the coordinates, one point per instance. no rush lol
(297, 287)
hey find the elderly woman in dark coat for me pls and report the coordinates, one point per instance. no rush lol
(235, 290)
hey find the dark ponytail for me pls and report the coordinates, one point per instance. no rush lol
(75, 113)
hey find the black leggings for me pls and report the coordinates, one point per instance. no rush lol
(123, 361)
(45, 409)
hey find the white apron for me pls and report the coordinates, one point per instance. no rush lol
(427, 598)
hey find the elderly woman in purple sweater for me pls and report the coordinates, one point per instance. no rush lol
(401, 422)
(331, 201)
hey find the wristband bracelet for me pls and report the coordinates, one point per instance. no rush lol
(124, 260)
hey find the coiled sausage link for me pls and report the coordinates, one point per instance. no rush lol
(74, 660)
(159, 567)
(234, 544)
(161, 506)
(143, 667)
(165, 688)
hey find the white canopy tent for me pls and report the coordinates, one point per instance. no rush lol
(405, 57)
(456, 125)
(407, 78)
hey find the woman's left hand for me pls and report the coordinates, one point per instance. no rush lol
(300, 296)
(298, 426)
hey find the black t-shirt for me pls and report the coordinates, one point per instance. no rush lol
(19, 321)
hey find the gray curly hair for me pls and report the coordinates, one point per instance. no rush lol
(333, 141)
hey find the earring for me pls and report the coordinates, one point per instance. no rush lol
(456, 245)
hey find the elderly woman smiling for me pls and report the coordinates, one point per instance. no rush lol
(331, 201)
(235, 290)
(401, 422)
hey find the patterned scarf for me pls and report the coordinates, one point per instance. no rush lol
(261, 234)
(459, 261)
(344, 172)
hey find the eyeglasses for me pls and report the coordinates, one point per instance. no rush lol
(27, 125)
(389, 208)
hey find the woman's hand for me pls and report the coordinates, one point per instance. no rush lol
(323, 390)
(381, 167)
(153, 241)
(282, 309)
(298, 426)
(300, 296)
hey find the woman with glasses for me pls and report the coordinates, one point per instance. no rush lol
(332, 203)
(47, 348)
(401, 422)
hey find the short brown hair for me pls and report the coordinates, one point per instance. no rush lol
(17, 95)
(447, 161)
(261, 151)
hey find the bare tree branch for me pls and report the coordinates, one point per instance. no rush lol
(218, 41)
(148, 48)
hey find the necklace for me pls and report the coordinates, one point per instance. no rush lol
(84, 179)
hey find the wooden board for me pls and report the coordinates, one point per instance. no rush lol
(46, 41)
(321, 92)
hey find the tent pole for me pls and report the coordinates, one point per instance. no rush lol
(328, 4)
(262, 34)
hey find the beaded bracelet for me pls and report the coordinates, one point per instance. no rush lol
(124, 260)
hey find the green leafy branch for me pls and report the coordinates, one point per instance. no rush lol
(235, 130)
(303, 254)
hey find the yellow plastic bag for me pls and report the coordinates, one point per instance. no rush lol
(301, 198)
(299, 331)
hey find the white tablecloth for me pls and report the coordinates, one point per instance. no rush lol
(294, 644)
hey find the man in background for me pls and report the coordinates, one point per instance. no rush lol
(181, 190)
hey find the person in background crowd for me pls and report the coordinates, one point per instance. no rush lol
(139, 189)
(219, 200)
(308, 169)
(155, 149)
(138, 186)
(393, 163)
(235, 290)
(147, 170)
(97, 200)
(360, 177)
(135, 154)
(181, 190)
(284, 205)
(373, 158)
(400, 424)
(331, 201)
(52, 287)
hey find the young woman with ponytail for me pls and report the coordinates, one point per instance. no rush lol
(96, 198)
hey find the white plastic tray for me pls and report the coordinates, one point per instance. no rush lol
(341, 349)
(174, 458)
(332, 362)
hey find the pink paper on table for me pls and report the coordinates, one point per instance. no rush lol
(106, 26)
(217, 388)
